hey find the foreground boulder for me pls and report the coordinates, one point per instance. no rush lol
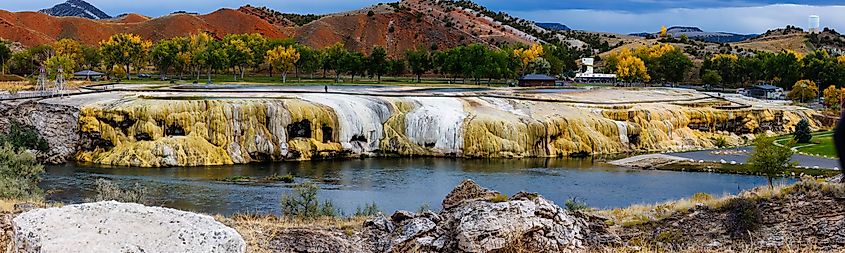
(475, 220)
(121, 227)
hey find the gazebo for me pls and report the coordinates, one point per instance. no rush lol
(88, 74)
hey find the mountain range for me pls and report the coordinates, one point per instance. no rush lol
(76, 8)
(397, 27)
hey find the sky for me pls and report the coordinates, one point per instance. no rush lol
(619, 16)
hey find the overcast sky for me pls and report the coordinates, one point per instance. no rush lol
(621, 16)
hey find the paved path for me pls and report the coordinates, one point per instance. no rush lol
(742, 157)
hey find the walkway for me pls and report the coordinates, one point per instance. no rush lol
(740, 155)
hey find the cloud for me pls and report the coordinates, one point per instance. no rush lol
(756, 19)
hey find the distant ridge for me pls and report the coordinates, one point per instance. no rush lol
(554, 26)
(698, 34)
(76, 8)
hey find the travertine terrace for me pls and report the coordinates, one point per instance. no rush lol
(202, 125)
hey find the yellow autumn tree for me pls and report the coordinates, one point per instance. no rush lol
(123, 49)
(803, 91)
(528, 55)
(283, 59)
(67, 53)
(632, 69)
(832, 96)
(664, 32)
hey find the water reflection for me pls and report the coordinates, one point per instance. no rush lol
(399, 183)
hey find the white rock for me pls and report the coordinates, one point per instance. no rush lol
(121, 227)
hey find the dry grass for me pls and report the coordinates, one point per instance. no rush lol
(258, 230)
(639, 214)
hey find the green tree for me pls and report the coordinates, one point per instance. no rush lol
(309, 60)
(396, 67)
(784, 69)
(711, 77)
(333, 59)
(91, 58)
(123, 49)
(353, 64)
(802, 132)
(674, 65)
(419, 60)
(769, 159)
(20, 174)
(164, 55)
(5, 55)
(377, 62)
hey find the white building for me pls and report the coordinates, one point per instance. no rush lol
(814, 24)
(590, 76)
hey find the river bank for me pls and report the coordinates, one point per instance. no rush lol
(802, 217)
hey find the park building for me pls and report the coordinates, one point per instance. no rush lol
(588, 74)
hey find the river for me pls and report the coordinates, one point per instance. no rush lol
(393, 183)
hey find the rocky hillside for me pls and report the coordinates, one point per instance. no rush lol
(76, 8)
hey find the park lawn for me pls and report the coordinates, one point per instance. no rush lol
(822, 145)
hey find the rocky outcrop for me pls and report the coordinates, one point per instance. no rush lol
(55, 123)
(121, 227)
(807, 215)
(470, 223)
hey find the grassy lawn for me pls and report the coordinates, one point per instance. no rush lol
(821, 144)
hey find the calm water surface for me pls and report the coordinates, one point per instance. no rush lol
(393, 183)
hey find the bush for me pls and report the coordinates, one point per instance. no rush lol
(302, 203)
(499, 198)
(368, 210)
(802, 132)
(574, 205)
(21, 136)
(743, 217)
(720, 142)
(108, 190)
(20, 174)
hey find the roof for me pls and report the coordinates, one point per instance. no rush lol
(766, 87)
(537, 77)
(88, 73)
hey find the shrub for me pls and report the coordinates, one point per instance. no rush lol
(499, 198)
(701, 197)
(743, 217)
(720, 142)
(802, 132)
(302, 203)
(368, 210)
(289, 178)
(109, 190)
(21, 136)
(19, 174)
(574, 205)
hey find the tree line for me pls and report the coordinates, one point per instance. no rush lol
(201, 54)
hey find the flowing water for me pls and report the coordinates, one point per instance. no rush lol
(393, 183)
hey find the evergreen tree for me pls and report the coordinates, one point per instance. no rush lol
(802, 132)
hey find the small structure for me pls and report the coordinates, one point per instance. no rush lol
(588, 76)
(534, 80)
(88, 74)
(765, 91)
(814, 24)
